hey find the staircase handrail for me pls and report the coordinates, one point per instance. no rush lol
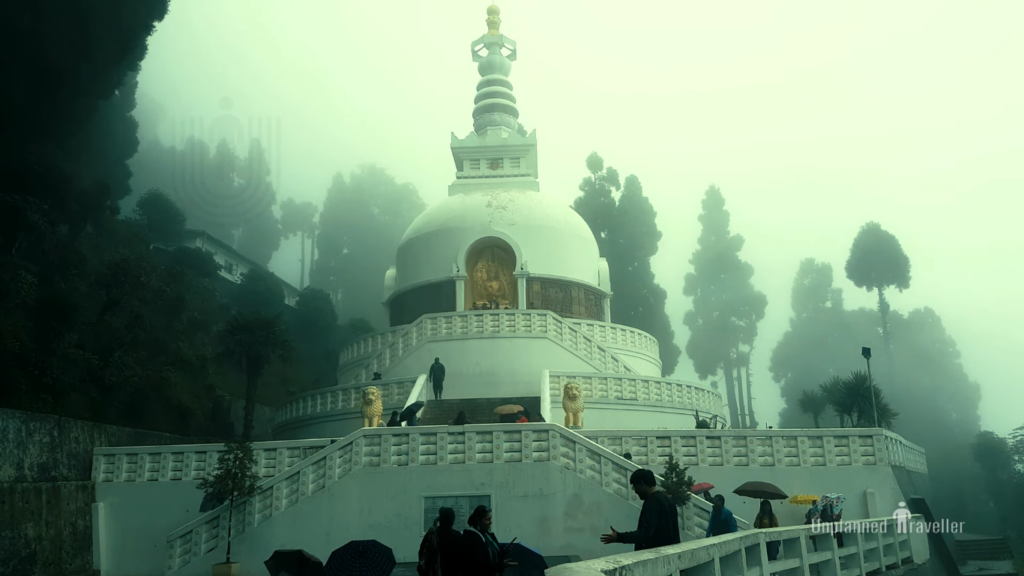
(644, 341)
(705, 401)
(863, 552)
(413, 335)
(343, 396)
(418, 392)
(377, 447)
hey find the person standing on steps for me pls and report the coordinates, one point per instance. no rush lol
(436, 377)
(659, 520)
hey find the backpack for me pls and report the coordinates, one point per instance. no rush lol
(430, 559)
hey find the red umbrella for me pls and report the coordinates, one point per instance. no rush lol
(701, 488)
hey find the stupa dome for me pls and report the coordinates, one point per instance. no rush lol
(548, 237)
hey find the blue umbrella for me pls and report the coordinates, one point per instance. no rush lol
(361, 558)
(529, 560)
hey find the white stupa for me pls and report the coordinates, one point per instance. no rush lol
(508, 289)
(506, 286)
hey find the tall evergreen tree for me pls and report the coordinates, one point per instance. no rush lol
(638, 301)
(877, 262)
(596, 203)
(725, 303)
(299, 218)
(627, 235)
(361, 223)
(260, 233)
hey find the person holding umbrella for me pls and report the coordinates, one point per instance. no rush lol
(482, 555)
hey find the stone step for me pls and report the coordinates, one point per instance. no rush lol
(478, 410)
(984, 549)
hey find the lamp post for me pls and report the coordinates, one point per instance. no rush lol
(866, 353)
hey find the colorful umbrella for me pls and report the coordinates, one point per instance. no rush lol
(803, 499)
(508, 409)
(701, 488)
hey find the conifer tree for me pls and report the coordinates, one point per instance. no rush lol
(726, 306)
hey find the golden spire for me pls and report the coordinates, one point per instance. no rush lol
(493, 20)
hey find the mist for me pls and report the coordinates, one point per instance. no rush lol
(811, 118)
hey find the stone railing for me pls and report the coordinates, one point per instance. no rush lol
(639, 388)
(510, 323)
(764, 448)
(193, 462)
(393, 394)
(474, 445)
(618, 336)
(905, 454)
(367, 345)
(873, 547)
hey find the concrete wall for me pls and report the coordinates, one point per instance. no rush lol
(46, 448)
(489, 366)
(545, 506)
(604, 414)
(45, 493)
(45, 528)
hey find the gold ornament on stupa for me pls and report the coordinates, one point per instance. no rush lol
(493, 20)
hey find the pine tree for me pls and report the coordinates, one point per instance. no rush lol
(726, 306)
(676, 482)
(627, 235)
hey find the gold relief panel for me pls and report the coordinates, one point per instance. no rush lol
(490, 282)
(565, 299)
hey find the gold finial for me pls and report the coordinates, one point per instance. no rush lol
(493, 20)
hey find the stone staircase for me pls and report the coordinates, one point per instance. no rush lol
(478, 410)
(399, 447)
(977, 548)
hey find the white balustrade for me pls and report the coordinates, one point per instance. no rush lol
(905, 454)
(473, 445)
(878, 545)
(764, 448)
(473, 324)
(367, 345)
(619, 336)
(639, 388)
(194, 461)
(393, 392)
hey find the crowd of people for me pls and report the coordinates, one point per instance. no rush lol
(475, 551)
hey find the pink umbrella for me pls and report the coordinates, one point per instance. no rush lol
(701, 488)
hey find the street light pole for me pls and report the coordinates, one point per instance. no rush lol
(866, 353)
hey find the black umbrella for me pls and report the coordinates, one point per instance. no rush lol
(410, 411)
(530, 562)
(761, 491)
(294, 562)
(361, 558)
(211, 502)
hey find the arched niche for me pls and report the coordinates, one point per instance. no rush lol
(490, 280)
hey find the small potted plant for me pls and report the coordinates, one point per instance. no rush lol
(234, 479)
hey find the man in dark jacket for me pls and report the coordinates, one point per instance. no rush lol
(659, 521)
(436, 377)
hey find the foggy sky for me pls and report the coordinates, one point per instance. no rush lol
(813, 118)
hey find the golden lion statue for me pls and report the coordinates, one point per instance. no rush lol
(373, 408)
(572, 404)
